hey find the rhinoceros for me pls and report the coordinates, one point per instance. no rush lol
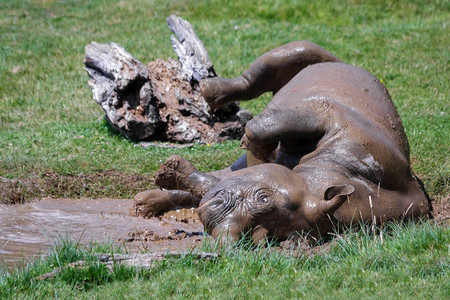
(329, 149)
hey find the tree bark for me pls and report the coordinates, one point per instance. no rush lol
(192, 55)
(161, 101)
(121, 86)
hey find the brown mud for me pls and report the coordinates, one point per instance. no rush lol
(107, 183)
(185, 114)
(29, 230)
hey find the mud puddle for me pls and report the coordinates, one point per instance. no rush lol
(29, 230)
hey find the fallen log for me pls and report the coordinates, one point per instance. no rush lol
(161, 101)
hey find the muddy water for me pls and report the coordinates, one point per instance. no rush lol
(29, 230)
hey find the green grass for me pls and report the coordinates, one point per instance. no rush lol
(400, 261)
(46, 104)
(50, 124)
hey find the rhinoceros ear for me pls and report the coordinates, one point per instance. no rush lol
(334, 197)
(338, 190)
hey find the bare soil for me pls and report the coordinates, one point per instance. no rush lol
(108, 183)
(441, 210)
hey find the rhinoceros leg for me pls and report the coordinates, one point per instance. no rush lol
(179, 174)
(152, 202)
(183, 185)
(284, 134)
(268, 73)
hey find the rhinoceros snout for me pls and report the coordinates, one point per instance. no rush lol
(220, 215)
(210, 213)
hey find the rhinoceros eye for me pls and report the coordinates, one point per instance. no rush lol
(263, 196)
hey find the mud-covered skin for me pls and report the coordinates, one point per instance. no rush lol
(183, 186)
(328, 148)
(268, 199)
(268, 73)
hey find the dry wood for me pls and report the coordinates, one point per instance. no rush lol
(194, 60)
(161, 101)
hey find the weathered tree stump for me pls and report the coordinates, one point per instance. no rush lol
(162, 101)
(194, 60)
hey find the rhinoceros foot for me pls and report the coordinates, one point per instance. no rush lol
(150, 203)
(174, 173)
(219, 92)
(154, 202)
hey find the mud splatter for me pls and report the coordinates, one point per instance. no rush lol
(29, 230)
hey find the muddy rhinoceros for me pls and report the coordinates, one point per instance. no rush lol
(328, 149)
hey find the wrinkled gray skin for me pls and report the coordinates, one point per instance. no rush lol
(328, 149)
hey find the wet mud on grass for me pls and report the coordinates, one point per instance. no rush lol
(29, 230)
(74, 206)
(111, 184)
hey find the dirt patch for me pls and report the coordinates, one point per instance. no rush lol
(304, 248)
(29, 230)
(441, 210)
(184, 229)
(151, 236)
(111, 184)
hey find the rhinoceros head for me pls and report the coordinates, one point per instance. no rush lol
(271, 201)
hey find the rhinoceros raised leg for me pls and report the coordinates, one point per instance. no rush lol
(284, 133)
(179, 174)
(268, 73)
(182, 183)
